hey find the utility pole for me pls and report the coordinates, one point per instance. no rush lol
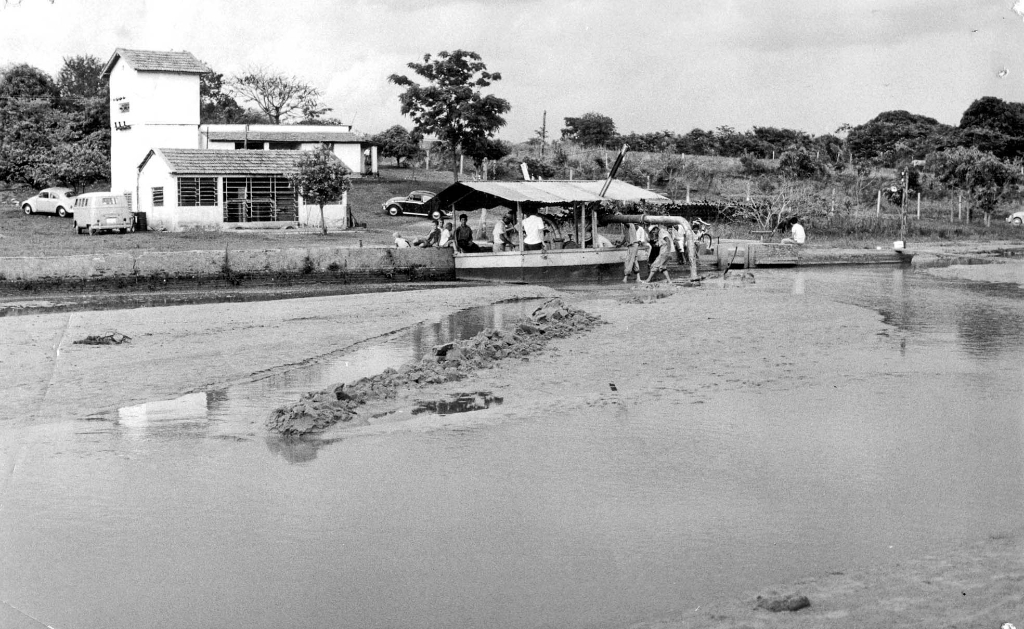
(543, 133)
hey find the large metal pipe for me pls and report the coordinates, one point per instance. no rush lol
(689, 238)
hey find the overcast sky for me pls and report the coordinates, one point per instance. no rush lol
(650, 65)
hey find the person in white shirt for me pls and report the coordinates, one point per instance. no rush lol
(400, 242)
(500, 235)
(446, 236)
(660, 264)
(533, 232)
(797, 234)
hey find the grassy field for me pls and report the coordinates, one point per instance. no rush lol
(48, 235)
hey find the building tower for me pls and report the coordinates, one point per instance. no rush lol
(154, 103)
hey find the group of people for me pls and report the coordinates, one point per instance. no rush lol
(442, 235)
(658, 244)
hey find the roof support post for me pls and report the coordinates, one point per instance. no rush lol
(519, 225)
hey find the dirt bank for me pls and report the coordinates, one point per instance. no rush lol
(178, 349)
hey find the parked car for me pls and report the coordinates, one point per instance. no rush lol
(417, 203)
(1017, 219)
(50, 201)
(103, 211)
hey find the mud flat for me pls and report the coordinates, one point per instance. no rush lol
(634, 366)
(179, 349)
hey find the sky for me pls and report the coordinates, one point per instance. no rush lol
(650, 65)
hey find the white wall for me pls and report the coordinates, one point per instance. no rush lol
(163, 112)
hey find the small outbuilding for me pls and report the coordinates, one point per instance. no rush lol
(215, 189)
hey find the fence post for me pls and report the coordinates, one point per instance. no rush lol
(960, 207)
(687, 193)
(918, 206)
(878, 205)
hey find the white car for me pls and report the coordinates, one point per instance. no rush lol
(57, 201)
(1017, 219)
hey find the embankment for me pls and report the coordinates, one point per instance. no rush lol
(119, 269)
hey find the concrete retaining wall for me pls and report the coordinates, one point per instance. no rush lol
(342, 263)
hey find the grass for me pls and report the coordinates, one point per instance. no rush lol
(48, 235)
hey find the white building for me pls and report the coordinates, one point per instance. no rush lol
(154, 108)
(199, 188)
(154, 102)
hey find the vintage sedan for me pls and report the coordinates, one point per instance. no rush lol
(1017, 219)
(57, 201)
(416, 203)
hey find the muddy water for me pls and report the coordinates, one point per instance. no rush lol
(184, 513)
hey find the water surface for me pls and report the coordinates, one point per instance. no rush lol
(186, 513)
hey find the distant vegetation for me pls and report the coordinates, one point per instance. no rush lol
(56, 131)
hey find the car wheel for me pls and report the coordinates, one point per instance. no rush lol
(435, 215)
(27, 209)
(61, 212)
(394, 210)
(1018, 221)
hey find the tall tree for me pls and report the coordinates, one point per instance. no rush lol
(399, 143)
(280, 97)
(590, 129)
(321, 179)
(81, 77)
(450, 104)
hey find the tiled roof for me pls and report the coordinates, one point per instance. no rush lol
(288, 136)
(182, 61)
(217, 162)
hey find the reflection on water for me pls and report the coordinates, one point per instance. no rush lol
(458, 404)
(185, 512)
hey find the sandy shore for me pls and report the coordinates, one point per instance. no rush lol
(179, 349)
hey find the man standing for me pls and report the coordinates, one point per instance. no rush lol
(632, 243)
(500, 234)
(664, 253)
(533, 232)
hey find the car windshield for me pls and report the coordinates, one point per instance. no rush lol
(68, 194)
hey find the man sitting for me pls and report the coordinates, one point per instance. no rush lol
(797, 233)
(464, 237)
(432, 237)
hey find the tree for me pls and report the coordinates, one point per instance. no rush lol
(451, 105)
(490, 149)
(982, 175)
(590, 129)
(321, 178)
(218, 107)
(281, 98)
(875, 139)
(399, 143)
(81, 77)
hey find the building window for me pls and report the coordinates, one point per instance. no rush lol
(250, 145)
(197, 191)
(260, 198)
(283, 146)
(158, 196)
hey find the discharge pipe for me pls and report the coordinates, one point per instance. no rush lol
(689, 238)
